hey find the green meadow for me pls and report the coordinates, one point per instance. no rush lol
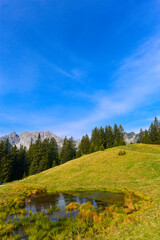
(138, 171)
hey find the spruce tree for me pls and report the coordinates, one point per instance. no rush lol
(6, 162)
(152, 135)
(63, 151)
(121, 135)
(43, 164)
(68, 151)
(141, 136)
(15, 172)
(109, 137)
(53, 153)
(116, 135)
(153, 131)
(92, 148)
(43, 155)
(84, 145)
(36, 156)
(102, 142)
(95, 138)
(19, 162)
(146, 137)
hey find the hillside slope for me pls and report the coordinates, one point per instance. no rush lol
(138, 169)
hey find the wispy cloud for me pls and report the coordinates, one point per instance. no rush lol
(137, 79)
(73, 74)
(26, 76)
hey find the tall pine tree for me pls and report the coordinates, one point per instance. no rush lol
(109, 137)
(68, 151)
(84, 145)
(102, 142)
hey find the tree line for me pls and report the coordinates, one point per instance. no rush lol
(152, 135)
(17, 163)
(101, 139)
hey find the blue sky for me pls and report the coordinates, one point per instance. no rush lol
(68, 66)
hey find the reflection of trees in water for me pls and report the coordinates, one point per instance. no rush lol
(94, 203)
(44, 201)
(40, 203)
(70, 198)
(80, 200)
(100, 204)
(61, 201)
(83, 200)
(65, 199)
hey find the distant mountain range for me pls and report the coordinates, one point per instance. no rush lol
(24, 138)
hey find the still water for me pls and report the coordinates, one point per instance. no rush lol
(54, 205)
(58, 202)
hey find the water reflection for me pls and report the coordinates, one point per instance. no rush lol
(54, 205)
(58, 202)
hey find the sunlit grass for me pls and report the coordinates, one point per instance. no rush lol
(137, 170)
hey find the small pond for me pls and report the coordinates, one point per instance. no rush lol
(57, 202)
(54, 205)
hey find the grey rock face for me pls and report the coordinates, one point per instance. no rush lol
(131, 137)
(24, 138)
(12, 137)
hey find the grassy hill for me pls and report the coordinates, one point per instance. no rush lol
(138, 169)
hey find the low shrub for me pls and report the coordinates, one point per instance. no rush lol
(121, 152)
(72, 206)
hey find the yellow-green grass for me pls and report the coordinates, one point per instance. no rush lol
(138, 170)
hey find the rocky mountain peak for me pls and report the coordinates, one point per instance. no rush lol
(12, 137)
(25, 137)
(131, 137)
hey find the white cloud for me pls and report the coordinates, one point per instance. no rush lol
(137, 79)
